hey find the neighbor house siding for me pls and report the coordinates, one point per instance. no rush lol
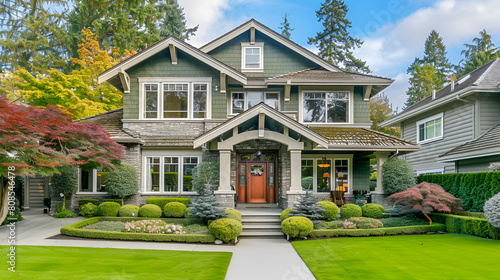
(458, 122)
(489, 113)
(160, 66)
(361, 175)
(476, 165)
(278, 59)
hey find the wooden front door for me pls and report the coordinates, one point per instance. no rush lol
(256, 182)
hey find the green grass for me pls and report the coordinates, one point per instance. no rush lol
(46, 262)
(448, 256)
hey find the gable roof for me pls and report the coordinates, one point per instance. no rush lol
(484, 78)
(112, 123)
(162, 45)
(255, 111)
(272, 34)
(485, 145)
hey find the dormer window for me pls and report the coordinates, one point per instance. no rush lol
(252, 57)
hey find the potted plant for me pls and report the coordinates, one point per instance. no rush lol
(360, 196)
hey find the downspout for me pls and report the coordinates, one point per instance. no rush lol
(395, 155)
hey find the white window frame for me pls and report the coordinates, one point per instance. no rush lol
(350, 106)
(160, 81)
(94, 183)
(427, 171)
(435, 117)
(332, 159)
(245, 103)
(162, 154)
(258, 45)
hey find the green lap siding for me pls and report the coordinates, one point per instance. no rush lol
(361, 174)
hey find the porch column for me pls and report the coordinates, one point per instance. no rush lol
(381, 158)
(295, 192)
(224, 195)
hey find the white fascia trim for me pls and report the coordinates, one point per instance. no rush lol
(327, 83)
(369, 148)
(399, 118)
(468, 155)
(231, 35)
(141, 57)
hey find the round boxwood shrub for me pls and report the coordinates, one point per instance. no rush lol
(174, 210)
(285, 214)
(128, 211)
(233, 214)
(225, 229)
(297, 226)
(397, 176)
(372, 210)
(108, 209)
(150, 211)
(88, 210)
(350, 210)
(492, 210)
(330, 210)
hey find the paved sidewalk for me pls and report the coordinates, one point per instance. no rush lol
(260, 259)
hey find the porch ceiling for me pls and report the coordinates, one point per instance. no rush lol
(362, 139)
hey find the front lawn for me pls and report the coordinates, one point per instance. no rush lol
(46, 262)
(447, 256)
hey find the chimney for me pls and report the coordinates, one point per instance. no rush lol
(453, 78)
(433, 94)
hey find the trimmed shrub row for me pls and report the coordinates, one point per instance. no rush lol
(350, 210)
(474, 189)
(88, 200)
(117, 200)
(467, 225)
(226, 229)
(297, 226)
(377, 231)
(162, 201)
(372, 210)
(76, 230)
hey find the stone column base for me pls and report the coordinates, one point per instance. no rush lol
(379, 198)
(293, 197)
(225, 199)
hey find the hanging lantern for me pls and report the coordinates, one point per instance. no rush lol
(326, 175)
(324, 164)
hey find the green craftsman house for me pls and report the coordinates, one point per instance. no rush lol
(277, 118)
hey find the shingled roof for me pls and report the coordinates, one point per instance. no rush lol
(362, 139)
(111, 122)
(485, 145)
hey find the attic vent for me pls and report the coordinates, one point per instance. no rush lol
(463, 79)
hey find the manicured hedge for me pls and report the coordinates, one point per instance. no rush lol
(474, 189)
(162, 201)
(233, 214)
(174, 210)
(226, 230)
(467, 225)
(76, 230)
(84, 201)
(377, 231)
(117, 200)
(108, 209)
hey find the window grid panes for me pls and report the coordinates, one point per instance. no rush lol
(200, 93)
(153, 174)
(177, 173)
(327, 107)
(175, 100)
(252, 58)
(151, 101)
(324, 176)
(323, 172)
(239, 103)
(430, 129)
(171, 174)
(189, 163)
(307, 180)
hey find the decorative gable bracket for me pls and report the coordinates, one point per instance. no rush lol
(125, 81)
(367, 93)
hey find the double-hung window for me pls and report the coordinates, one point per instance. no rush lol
(170, 174)
(252, 57)
(241, 101)
(430, 129)
(175, 100)
(326, 107)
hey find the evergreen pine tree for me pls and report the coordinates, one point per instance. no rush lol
(307, 207)
(422, 81)
(206, 207)
(435, 54)
(174, 22)
(285, 27)
(334, 42)
(481, 51)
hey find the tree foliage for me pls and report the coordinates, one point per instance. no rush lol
(285, 27)
(307, 207)
(334, 42)
(435, 54)
(122, 182)
(397, 176)
(206, 173)
(47, 141)
(206, 207)
(174, 22)
(481, 51)
(65, 185)
(381, 110)
(427, 197)
(492, 210)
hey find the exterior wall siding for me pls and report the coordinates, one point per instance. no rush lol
(476, 165)
(489, 115)
(361, 175)
(361, 108)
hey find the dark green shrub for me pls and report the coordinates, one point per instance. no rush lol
(174, 210)
(307, 207)
(492, 210)
(285, 214)
(122, 182)
(117, 200)
(350, 210)
(150, 211)
(65, 185)
(226, 230)
(297, 227)
(403, 221)
(330, 210)
(128, 211)
(372, 210)
(84, 201)
(108, 209)
(88, 210)
(162, 201)
(377, 231)
(64, 214)
(467, 225)
(397, 176)
(233, 214)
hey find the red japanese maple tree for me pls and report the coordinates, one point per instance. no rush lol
(46, 141)
(427, 197)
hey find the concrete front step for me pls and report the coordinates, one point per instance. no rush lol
(262, 227)
(260, 234)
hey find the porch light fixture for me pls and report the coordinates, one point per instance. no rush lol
(323, 163)
(326, 175)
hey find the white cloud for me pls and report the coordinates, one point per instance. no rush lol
(397, 91)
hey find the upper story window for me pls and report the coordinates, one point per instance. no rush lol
(175, 100)
(326, 107)
(252, 57)
(241, 101)
(430, 129)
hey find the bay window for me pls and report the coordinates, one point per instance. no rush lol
(241, 101)
(325, 107)
(176, 173)
(175, 100)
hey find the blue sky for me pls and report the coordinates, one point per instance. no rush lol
(394, 31)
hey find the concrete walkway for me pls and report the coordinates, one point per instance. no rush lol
(252, 258)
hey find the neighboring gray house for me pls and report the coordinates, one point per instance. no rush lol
(457, 128)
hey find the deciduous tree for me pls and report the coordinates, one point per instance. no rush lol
(381, 110)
